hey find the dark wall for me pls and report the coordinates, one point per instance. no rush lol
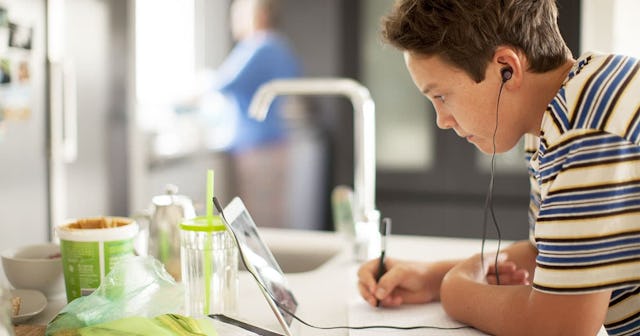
(569, 22)
(324, 34)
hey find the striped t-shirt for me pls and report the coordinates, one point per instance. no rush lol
(585, 188)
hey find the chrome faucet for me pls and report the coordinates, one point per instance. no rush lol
(364, 134)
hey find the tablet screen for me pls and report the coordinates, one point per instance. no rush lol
(258, 256)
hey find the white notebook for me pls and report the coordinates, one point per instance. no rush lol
(361, 313)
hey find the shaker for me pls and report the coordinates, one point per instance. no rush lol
(164, 232)
(209, 258)
(342, 211)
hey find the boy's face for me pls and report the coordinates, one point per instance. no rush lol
(467, 107)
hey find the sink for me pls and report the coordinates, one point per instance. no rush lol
(298, 251)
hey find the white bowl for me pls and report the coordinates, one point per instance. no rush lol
(36, 267)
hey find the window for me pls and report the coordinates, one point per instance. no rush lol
(611, 26)
(165, 61)
(405, 123)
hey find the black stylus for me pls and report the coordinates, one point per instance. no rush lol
(385, 231)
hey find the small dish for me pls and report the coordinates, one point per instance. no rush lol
(33, 302)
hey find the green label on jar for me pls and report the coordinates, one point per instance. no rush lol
(81, 263)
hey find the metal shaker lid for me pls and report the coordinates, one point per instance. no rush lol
(171, 198)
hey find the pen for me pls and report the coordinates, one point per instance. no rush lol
(385, 230)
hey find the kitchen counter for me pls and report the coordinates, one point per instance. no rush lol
(324, 293)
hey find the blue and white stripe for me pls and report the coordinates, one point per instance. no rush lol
(585, 197)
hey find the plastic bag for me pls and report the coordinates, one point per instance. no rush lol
(6, 328)
(137, 286)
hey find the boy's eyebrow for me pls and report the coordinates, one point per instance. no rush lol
(428, 88)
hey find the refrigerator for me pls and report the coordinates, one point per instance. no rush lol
(23, 124)
(64, 106)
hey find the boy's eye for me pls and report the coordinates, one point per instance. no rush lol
(440, 98)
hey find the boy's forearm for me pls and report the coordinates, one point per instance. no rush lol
(436, 272)
(521, 252)
(520, 310)
(482, 306)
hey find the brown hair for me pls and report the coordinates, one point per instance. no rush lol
(466, 33)
(271, 9)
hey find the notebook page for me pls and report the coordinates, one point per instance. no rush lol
(360, 314)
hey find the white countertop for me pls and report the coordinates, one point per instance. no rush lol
(324, 293)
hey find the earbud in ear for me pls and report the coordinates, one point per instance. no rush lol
(506, 72)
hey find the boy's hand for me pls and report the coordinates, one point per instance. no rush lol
(509, 274)
(404, 282)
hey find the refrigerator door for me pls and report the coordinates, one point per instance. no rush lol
(89, 60)
(23, 124)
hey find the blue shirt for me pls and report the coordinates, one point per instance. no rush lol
(252, 62)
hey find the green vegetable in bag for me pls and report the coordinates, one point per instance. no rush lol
(136, 287)
(163, 325)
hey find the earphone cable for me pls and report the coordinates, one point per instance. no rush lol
(286, 310)
(488, 206)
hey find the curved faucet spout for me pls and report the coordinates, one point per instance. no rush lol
(364, 129)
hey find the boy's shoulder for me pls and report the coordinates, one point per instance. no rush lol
(601, 93)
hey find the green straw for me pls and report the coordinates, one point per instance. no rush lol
(208, 248)
(209, 194)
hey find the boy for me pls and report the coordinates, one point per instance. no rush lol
(496, 71)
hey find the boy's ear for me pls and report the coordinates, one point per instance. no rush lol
(510, 64)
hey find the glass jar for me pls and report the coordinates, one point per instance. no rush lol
(209, 259)
(6, 327)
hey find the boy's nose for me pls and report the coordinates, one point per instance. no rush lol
(444, 120)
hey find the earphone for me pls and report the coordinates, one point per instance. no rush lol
(506, 73)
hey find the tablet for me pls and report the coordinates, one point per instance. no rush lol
(252, 329)
(260, 261)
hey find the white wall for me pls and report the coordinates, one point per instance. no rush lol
(611, 26)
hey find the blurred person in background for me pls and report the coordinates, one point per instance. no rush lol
(258, 151)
